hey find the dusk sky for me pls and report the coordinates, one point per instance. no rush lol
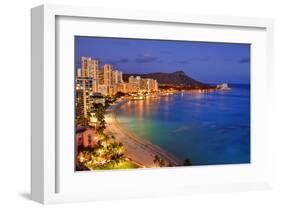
(203, 61)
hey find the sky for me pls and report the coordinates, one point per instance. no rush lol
(204, 61)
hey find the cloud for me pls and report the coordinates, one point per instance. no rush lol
(124, 60)
(117, 61)
(244, 60)
(146, 58)
(192, 60)
(183, 62)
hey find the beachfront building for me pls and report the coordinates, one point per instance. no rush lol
(107, 74)
(122, 87)
(96, 98)
(84, 87)
(112, 90)
(151, 84)
(80, 103)
(135, 80)
(117, 77)
(79, 71)
(134, 84)
(114, 77)
(85, 83)
(101, 76)
(108, 80)
(92, 78)
(94, 74)
(120, 77)
(145, 84)
(89, 69)
(103, 89)
(85, 97)
(85, 66)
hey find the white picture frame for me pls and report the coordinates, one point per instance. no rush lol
(52, 181)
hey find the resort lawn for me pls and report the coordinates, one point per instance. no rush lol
(124, 164)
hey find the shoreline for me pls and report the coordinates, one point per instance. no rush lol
(137, 149)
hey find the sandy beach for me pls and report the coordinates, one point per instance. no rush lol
(138, 150)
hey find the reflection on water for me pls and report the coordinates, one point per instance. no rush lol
(208, 128)
(141, 108)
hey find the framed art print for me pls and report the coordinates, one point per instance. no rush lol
(147, 103)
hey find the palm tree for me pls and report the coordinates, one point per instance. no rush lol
(187, 162)
(161, 163)
(117, 158)
(82, 120)
(158, 161)
(107, 151)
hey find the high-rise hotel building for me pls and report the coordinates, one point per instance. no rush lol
(107, 74)
(149, 84)
(89, 68)
(134, 83)
(92, 78)
(117, 77)
(87, 82)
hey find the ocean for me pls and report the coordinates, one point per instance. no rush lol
(206, 128)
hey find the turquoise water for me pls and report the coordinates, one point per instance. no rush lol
(210, 128)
